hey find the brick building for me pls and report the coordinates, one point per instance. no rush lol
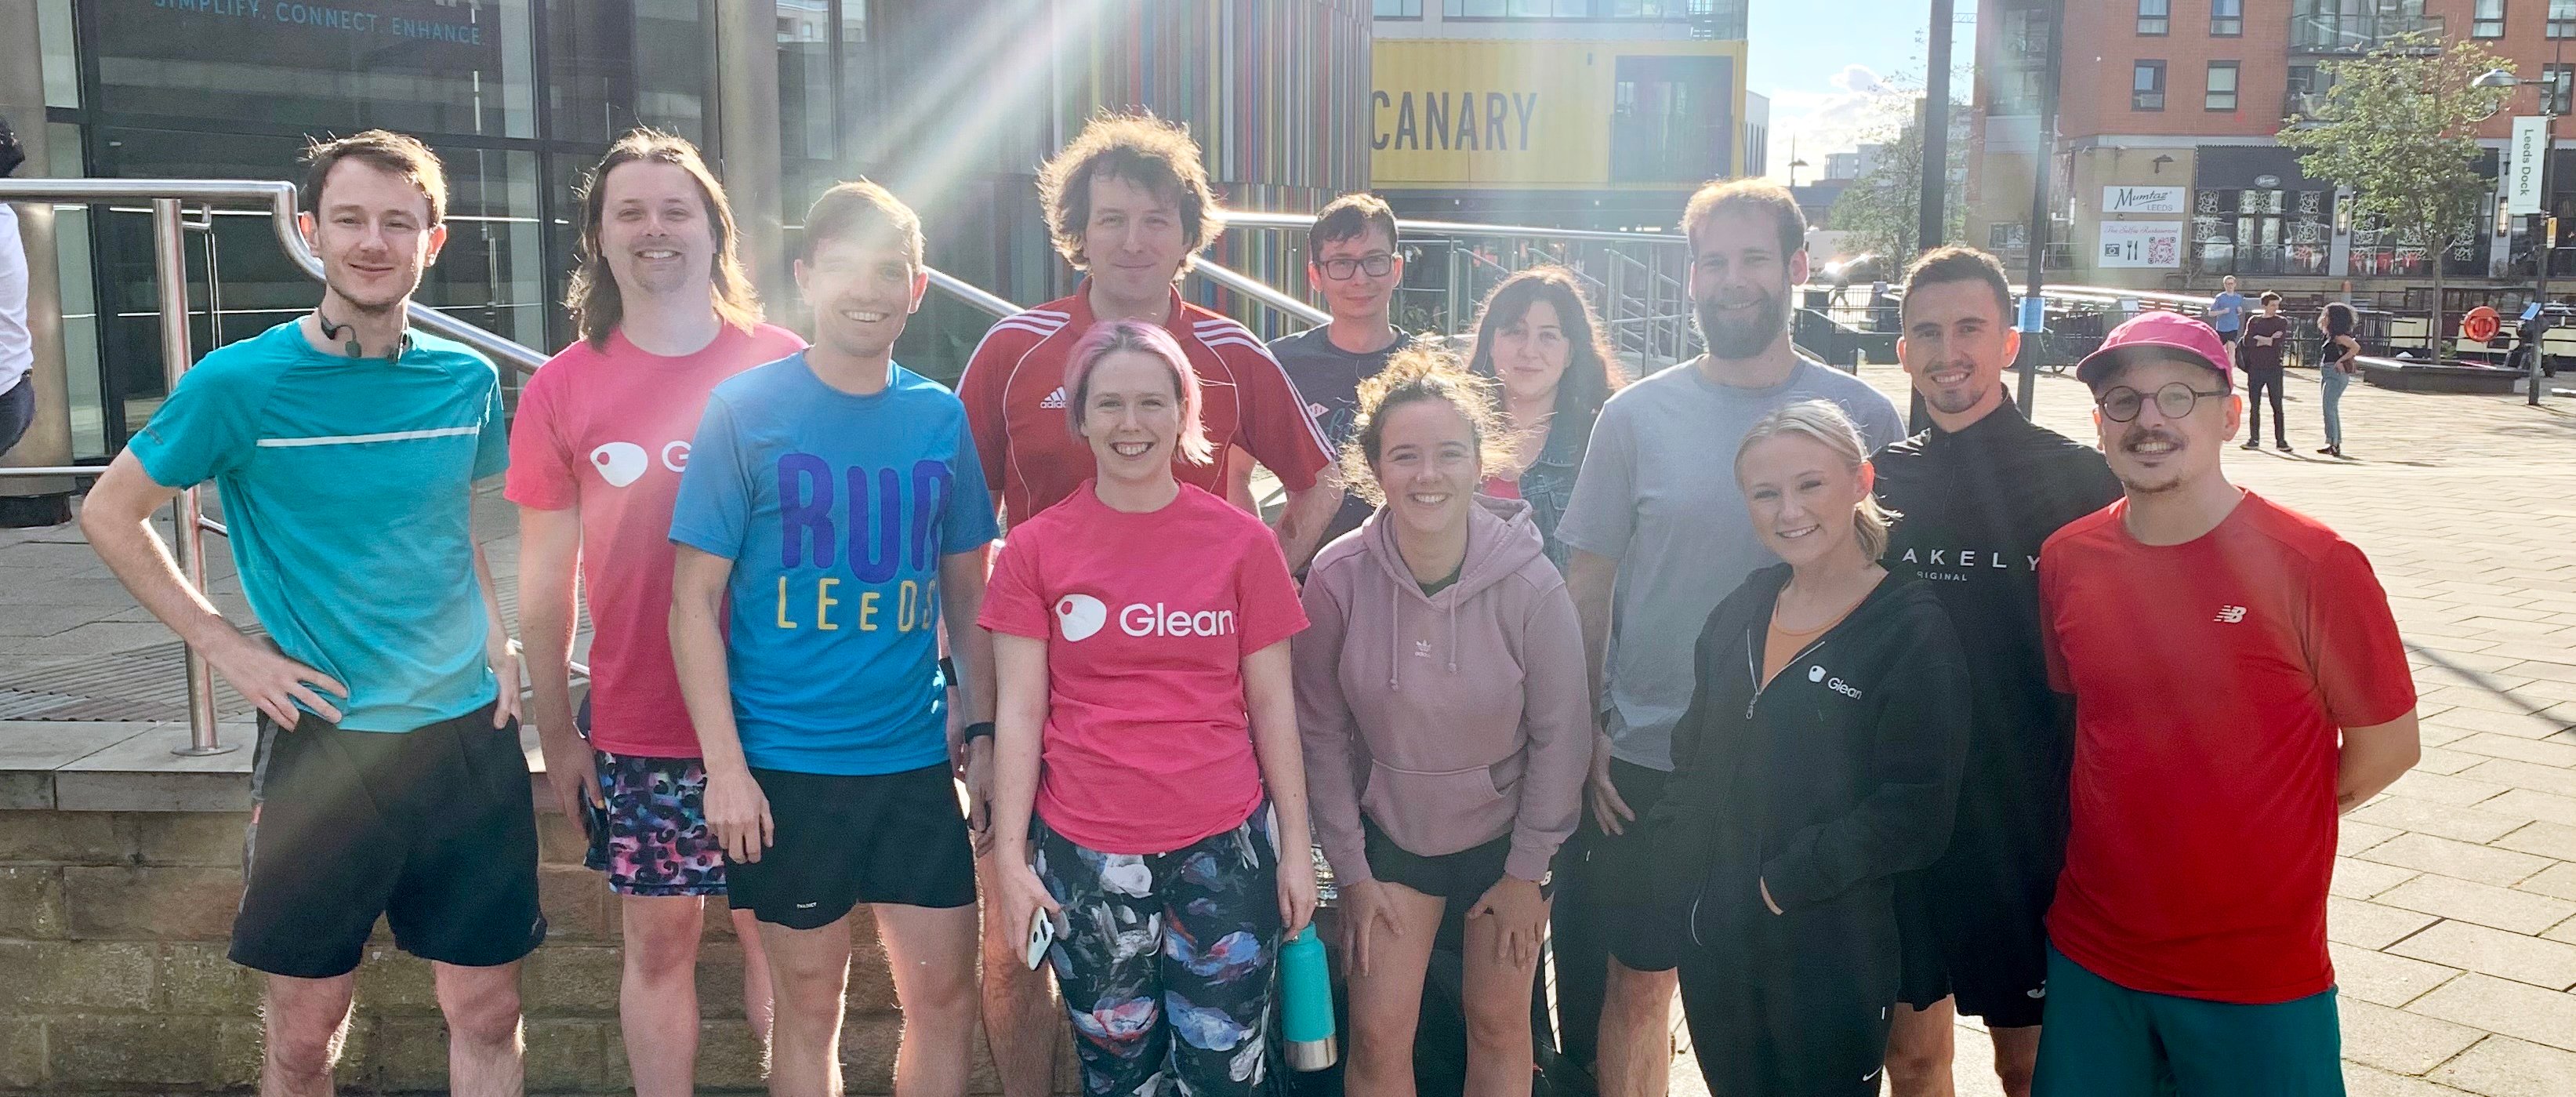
(2165, 171)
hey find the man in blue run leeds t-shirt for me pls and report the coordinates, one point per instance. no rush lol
(835, 500)
(388, 778)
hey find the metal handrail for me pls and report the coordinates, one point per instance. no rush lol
(170, 273)
(971, 293)
(1254, 219)
(1260, 291)
(278, 199)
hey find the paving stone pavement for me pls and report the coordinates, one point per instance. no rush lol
(2454, 909)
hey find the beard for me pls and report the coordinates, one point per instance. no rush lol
(1735, 336)
(2146, 481)
(1952, 401)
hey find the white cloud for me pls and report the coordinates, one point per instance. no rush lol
(1807, 123)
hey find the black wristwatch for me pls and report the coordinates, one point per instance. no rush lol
(980, 729)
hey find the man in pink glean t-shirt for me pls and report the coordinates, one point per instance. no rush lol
(602, 433)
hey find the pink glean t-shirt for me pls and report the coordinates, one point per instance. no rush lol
(1147, 620)
(608, 431)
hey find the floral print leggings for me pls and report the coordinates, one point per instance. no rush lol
(1167, 960)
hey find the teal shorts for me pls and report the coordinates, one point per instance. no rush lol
(2100, 1039)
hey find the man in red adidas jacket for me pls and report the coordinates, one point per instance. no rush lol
(1128, 204)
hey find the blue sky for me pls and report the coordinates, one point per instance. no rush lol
(1822, 61)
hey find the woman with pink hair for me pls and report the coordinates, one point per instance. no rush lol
(1149, 768)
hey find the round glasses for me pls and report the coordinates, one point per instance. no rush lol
(1376, 263)
(2173, 401)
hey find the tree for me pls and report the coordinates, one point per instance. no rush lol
(2398, 127)
(1881, 208)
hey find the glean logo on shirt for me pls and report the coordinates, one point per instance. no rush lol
(1078, 616)
(1817, 674)
(2230, 615)
(622, 463)
(1140, 619)
(1054, 400)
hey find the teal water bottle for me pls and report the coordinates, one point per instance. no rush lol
(1306, 990)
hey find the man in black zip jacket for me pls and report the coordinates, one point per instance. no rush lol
(1981, 490)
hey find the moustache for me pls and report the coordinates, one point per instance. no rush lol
(2139, 436)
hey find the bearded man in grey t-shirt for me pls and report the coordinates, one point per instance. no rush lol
(1660, 535)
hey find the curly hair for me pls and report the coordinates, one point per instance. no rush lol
(1421, 371)
(1144, 150)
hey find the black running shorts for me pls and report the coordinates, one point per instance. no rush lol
(843, 840)
(1464, 876)
(434, 829)
(1624, 872)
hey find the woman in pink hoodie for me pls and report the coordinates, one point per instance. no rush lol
(1441, 697)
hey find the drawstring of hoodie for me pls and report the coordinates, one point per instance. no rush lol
(1395, 627)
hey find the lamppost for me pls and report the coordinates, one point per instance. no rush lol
(2542, 244)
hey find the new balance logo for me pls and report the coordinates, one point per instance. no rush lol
(2229, 615)
(1054, 399)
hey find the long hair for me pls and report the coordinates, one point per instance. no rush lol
(1422, 371)
(1111, 336)
(1588, 379)
(597, 306)
(1826, 424)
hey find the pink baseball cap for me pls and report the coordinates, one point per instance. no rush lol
(2170, 332)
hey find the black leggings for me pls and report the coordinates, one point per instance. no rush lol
(1793, 1005)
(2256, 381)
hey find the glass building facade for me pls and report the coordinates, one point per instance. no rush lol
(953, 103)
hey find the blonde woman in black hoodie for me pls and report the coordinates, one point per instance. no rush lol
(1819, 757)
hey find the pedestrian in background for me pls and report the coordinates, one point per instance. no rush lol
(2335, 368)
(17, 353)
(2260, 354)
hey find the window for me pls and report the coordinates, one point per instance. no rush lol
(2557, 83)
(61, 56)
(460, 68)
(2562, 19)
(1399, 9)
(1552, 9)
(2222, 87)
(1672, 119)
(2155, 17)
(2488, 20)
(2147, 86)
(2226, 18)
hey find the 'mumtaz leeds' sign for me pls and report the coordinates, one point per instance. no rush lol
(2142, 199)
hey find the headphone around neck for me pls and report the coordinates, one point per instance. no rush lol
(351, 348)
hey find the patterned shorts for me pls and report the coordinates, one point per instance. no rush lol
(658, 842)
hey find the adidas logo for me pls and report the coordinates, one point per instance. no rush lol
(1054, 400)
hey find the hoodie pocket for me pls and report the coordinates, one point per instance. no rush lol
(1435, 813)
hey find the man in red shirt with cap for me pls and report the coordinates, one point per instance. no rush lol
(2239, 683)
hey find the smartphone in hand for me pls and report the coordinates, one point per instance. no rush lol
(1041, 938)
